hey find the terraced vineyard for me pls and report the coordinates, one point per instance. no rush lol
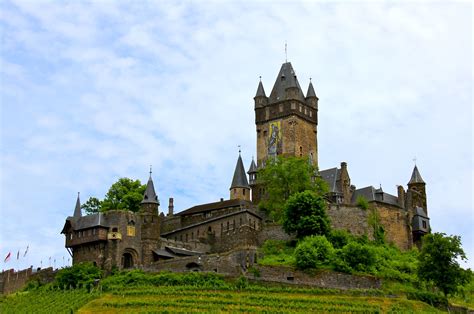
(195, 300)
(44, 301)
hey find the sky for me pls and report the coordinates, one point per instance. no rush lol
(92, 91)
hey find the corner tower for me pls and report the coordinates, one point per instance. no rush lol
(286, 121)
(240, 189)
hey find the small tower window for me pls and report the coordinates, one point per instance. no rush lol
(301, 151)
(243, 191)
(424, 224)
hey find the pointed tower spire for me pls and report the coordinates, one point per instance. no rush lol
(415, 176)
(239, 189)
(150, 197)
(77, 209)
(311, 92)
(252, 173)
(286, 81)
(260, 90)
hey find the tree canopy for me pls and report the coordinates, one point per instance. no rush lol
(305, 215)
(125, 194)
(283, 177)
(438, 262)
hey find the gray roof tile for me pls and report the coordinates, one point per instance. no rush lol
(311, 92)
(150, 197)
(415, 176)
(240, 177)
(253, 167)
(286, 78)
(260, 90)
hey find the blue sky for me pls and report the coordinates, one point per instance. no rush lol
(94, 91)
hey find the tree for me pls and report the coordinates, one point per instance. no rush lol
(305, 214)
(92, 205)
(80, 275)
(313, 251)
(125, 194)
(438, 262)
(283, 177)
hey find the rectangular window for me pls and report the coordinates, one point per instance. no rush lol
(424, 224)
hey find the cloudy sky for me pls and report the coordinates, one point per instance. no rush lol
(98, 90)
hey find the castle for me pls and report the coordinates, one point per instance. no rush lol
(286, 124)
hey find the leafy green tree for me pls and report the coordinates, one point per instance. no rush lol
(305, 214)
(356, 256)
(283, 177)
(80, 275)
(125, 194)
(438, 262)
(92, 206)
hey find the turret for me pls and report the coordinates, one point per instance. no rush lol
(416, 193)
(260, 98)
(311, 98)
(240, 189)
(150, 200)
(77, 209)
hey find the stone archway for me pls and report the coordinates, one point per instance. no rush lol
(129, 258)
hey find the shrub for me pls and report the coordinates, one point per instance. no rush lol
(362, 202)
(80, 275)
(313, 251)
(340, 238)
(359, 257)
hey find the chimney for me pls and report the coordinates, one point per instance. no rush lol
(343, 165)
(401, 196)
(170, 207)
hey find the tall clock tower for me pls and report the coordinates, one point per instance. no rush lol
(286, 121)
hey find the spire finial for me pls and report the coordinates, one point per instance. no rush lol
(150, 171)
(286, 52)
(310, 79)
(414, 160)
(260, 77)
(239, 149)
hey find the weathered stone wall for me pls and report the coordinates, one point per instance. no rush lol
(298, 137)
(170, 223)
(396, 223)
(11, 281)
(273, 231)
(201, 217)
(322, 279)
(350, 218)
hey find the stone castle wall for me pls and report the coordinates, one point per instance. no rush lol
(350, 218)
(397, 225)
(12, 281)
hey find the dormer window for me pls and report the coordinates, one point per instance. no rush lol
(283, 78)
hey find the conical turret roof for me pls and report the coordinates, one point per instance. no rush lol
(150, 197)
(416, 177)
(240, 178)
(311, 92)
(286, 79)
(260, 90)
(253, 167)
(77, 209)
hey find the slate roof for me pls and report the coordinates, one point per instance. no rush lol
(88, 221)
(150, 197)
(286, 78)
(372, 194)
(331, 176)
(311, 92)
(420, 212)
(77, 209)
(415, 176)
(253, 167)
(180, 251)
(260, 90)
(213, 206)
(164, 253)
(240, 177)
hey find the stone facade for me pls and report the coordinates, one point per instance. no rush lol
(11, 281)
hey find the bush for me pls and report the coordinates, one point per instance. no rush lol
(80, 275)
(313, 252)
(340, 238)
(359, 257)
